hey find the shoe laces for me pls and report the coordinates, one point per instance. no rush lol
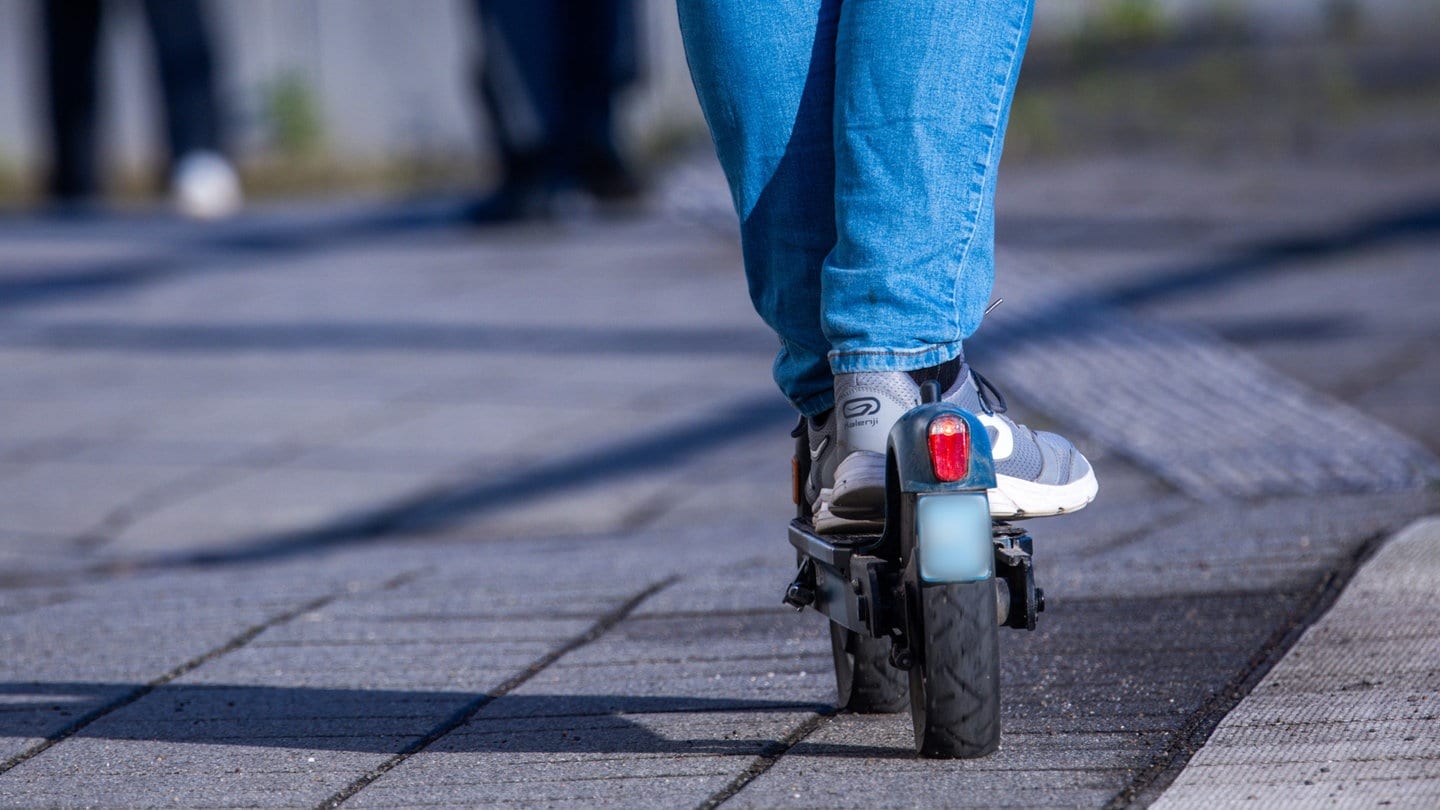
(983, 385)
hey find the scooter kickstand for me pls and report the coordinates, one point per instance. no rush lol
(801, 593)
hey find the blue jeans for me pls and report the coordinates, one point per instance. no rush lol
(861, 140)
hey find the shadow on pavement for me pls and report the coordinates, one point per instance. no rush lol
(199, 249)
(360, 337)
(1418, 219)
(195, 249)
(382, 721)
(454, 503)
(1247, 263)
(374, 336)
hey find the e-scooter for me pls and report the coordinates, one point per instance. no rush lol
(917, 607)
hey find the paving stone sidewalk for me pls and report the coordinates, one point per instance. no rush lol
(349, 504)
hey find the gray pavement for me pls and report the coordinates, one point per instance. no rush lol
(1349, 717)
(344, 503)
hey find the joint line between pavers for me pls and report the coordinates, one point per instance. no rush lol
(767, 760)
(463, 715)
(139, 692)
(1197, 728)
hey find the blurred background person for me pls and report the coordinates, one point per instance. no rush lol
(549, 74)
(202, 182)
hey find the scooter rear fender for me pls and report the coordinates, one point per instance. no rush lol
(910, 452)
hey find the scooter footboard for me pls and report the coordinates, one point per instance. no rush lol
(854, 590)
(863, 593)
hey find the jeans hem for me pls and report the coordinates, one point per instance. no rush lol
(857, 360)
(816, 405)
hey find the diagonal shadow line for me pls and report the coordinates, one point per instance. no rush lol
(1422, 219)
(380, 720)
(1099, 232)
(450, 505)
(1271, 257)
(202, 254)
(383, 336)
(126, 695)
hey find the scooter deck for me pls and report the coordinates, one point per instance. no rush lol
(854, 589)
(825, 547)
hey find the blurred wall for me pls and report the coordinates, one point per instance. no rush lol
(375, 80)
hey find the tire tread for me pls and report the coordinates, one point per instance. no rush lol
(875, 687)
(955, 687)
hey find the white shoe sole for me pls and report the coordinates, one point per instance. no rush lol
(861, 477)
(1017, 498)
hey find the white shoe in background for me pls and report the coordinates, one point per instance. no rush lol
(204, 186)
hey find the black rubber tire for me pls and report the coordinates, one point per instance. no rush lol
(864, 679)
(955, 678)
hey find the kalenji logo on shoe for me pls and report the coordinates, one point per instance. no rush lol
(863, 406)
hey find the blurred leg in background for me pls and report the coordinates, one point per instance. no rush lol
(548, 76)
(71, 36)
(603, 60)
(202, 182)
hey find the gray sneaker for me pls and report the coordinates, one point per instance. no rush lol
(1037, 473)
(820, 484)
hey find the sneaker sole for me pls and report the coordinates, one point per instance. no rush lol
(859, 491)
(827, 522)
(1015, 498)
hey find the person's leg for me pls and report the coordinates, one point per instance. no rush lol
(891, 127)
(71, 32)
(764, 71)
(600, 58)
(187, 75)
(202, 182)
(922, 97)
(519, 80)
(923, 90)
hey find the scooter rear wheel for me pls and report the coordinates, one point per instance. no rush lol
(955, 675)
(864, 679)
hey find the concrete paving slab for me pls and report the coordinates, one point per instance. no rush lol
(264, 706)
(258, 502)
(69, 659)
(1359, 694)
(1272, 543)
(263, 419)
(661, 790)
(680, 716)
(70, 499)
(32, 416)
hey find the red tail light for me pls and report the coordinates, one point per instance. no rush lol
(949, 447)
